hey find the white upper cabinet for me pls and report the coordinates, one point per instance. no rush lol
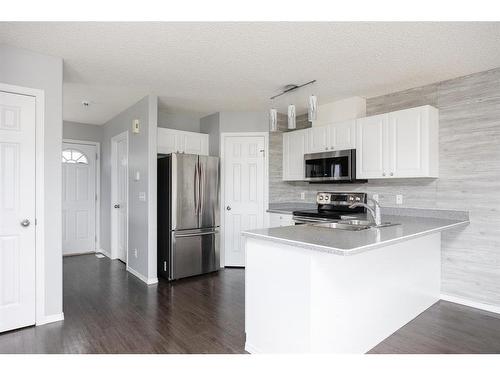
(333, 137)
(342, 135)
(401, 144)
(171, 140)
(295, 145)
(370, 150)
(318, 139)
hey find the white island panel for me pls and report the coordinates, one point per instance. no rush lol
(301, 301)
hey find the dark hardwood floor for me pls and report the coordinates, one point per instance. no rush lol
(107, 310)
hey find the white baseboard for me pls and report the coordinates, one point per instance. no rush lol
(50, 319)
(466, 302)
(251, 349)
(141, 277)
(104, 252)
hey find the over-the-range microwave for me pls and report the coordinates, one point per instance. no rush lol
(331, 167)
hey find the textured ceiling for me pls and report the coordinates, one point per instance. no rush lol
(208, 67)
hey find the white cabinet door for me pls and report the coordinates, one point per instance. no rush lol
(280, 220)
(371, 149)
(195, 143)
(342, 135)
(167, 141)
(319, 139)
(294, 148)
(408, 143)
(17, 211)
(171, 140)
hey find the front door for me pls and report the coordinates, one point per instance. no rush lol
(244, 191)
(78, 198)
(119, 196)
(17, 211)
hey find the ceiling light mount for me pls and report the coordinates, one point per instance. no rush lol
(86, 104)
(292, 87)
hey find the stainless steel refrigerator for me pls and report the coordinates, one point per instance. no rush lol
(188, 215)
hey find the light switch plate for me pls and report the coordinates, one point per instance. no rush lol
(375, 197)
(399, 199)
(303, 195)
(142, 196)
(136, 127)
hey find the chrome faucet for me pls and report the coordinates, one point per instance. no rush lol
(377, 217)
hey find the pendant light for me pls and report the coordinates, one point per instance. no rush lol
(273, 120)
(291, 117)
(312, 108)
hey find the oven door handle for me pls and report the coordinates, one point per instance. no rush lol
(306, 220)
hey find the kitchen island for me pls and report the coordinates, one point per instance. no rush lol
(311, 289)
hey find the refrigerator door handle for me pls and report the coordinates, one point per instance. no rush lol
(195, 234)
(202, 189)
(195, 189)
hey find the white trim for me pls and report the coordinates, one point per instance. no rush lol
(152, 185)
(114, 140)
(252, 349)
(140, 276)
(467, 302)
(50, 319)
(39, 96)
(97, 187)
(104, 252)
(222, 144)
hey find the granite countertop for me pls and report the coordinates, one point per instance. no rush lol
(343, 242)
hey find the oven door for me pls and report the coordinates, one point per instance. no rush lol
(329, 166)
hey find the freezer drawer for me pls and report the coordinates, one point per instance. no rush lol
(193, 253)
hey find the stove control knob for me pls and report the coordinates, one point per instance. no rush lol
(320, 198)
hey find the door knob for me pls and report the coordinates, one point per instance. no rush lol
(228, 208)
(116, 206)
(25, 223)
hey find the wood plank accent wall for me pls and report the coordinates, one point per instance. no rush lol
(469, 148)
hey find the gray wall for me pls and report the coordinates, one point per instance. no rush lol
(82, 132)
(243, 122)
(139, 160)
(211, 125)
(469, 119)
(29, 69)
(179, 121)
(222, 122)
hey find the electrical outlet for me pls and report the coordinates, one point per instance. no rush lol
(303, 195)
(375, 197)
(135, 253)
(399, 199)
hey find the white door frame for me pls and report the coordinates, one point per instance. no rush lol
(114, 222)
(222, 143)
(39, 95)
(97, 187)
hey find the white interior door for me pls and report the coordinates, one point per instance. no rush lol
(244, 191)
(119, 197)
(78, 198)
(17, 211)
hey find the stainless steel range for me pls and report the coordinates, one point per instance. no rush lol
(331, 207)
